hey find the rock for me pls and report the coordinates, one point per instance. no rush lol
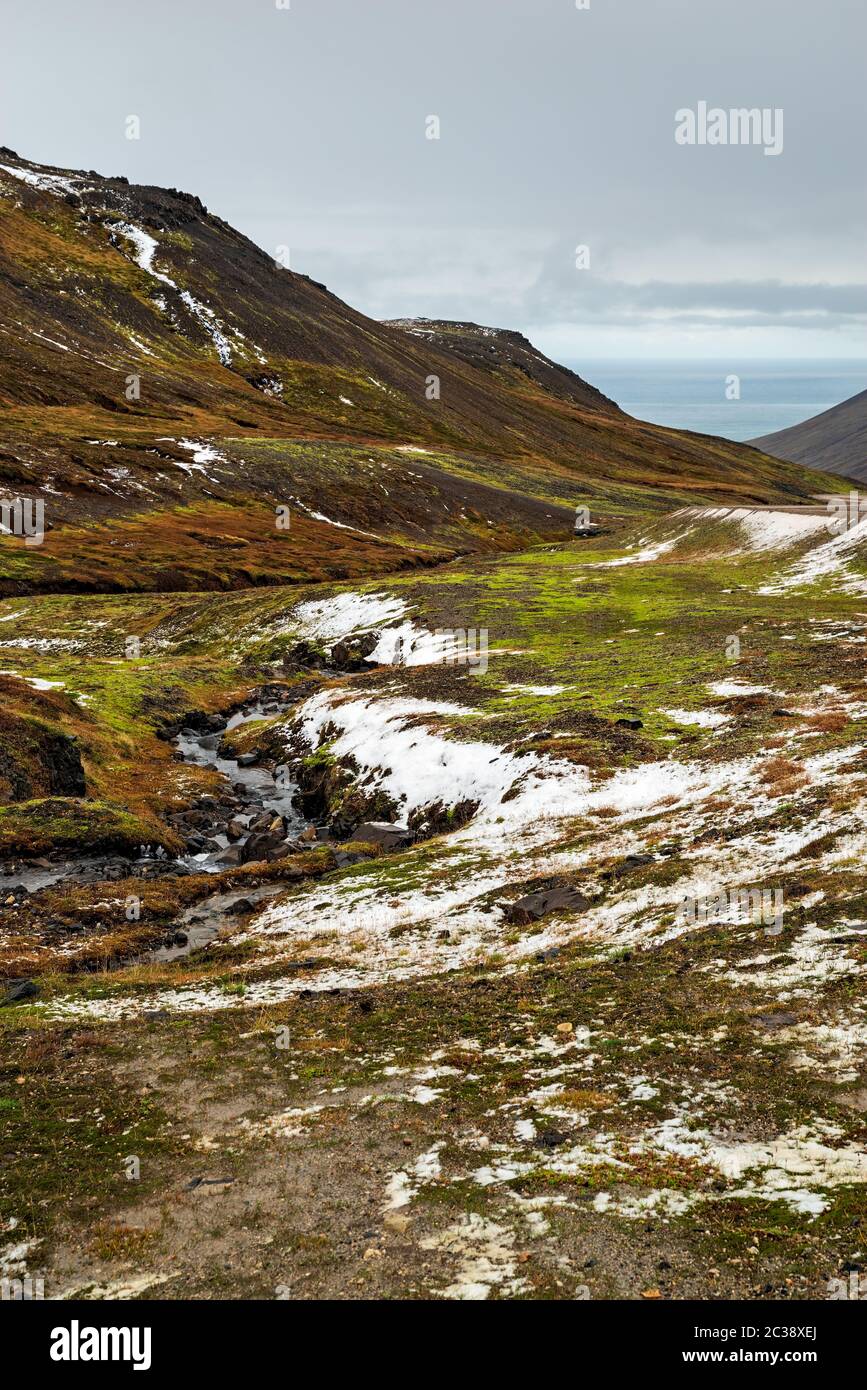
(230, 856)
(236, 828)
(242, 905)
(63, 763)
(381, 833)
(560, 898)
(629, 723)
(248, 759)
(397, 1221)
(307, 654)
(349, 655)
(19, 990)
(258, 847)
(630, 864)
(342, 859)
(281, 851)
(114, 869)
(550, 1139)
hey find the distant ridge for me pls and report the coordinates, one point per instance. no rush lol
(835, 440)
(509, 356)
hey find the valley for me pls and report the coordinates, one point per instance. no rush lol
(387, 1072)
(337, 962)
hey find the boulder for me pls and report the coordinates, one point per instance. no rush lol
(260, 846)
(19, 990)
(350, 654)
(230, 856)
(630, 864)
(381, 833)
(533, 906)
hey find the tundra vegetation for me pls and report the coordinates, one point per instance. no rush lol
(334, 964)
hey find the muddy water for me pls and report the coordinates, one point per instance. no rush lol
(44, 873)
(202, 923)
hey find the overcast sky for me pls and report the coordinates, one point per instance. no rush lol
(306, 127)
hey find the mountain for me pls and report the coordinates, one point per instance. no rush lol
(167, 386)
(509, 357)
(835, 440)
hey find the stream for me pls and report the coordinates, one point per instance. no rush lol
(254, 790)
(253, 807)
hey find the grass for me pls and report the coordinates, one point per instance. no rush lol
(655, 1011)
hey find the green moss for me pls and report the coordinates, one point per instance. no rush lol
(34, 827)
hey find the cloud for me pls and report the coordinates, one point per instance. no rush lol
(306, 127)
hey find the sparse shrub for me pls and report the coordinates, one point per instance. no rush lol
(831, 722)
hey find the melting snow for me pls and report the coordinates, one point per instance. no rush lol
(48, 183)
(704, 718)
(331, 619)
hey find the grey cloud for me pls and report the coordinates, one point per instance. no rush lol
(306, 127)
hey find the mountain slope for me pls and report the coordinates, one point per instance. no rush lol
(835, 440)
(167, 386)
(509, 357)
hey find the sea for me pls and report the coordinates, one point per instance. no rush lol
(699, 395)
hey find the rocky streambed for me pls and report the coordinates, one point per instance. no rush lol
(252, 817)
(257, 814)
